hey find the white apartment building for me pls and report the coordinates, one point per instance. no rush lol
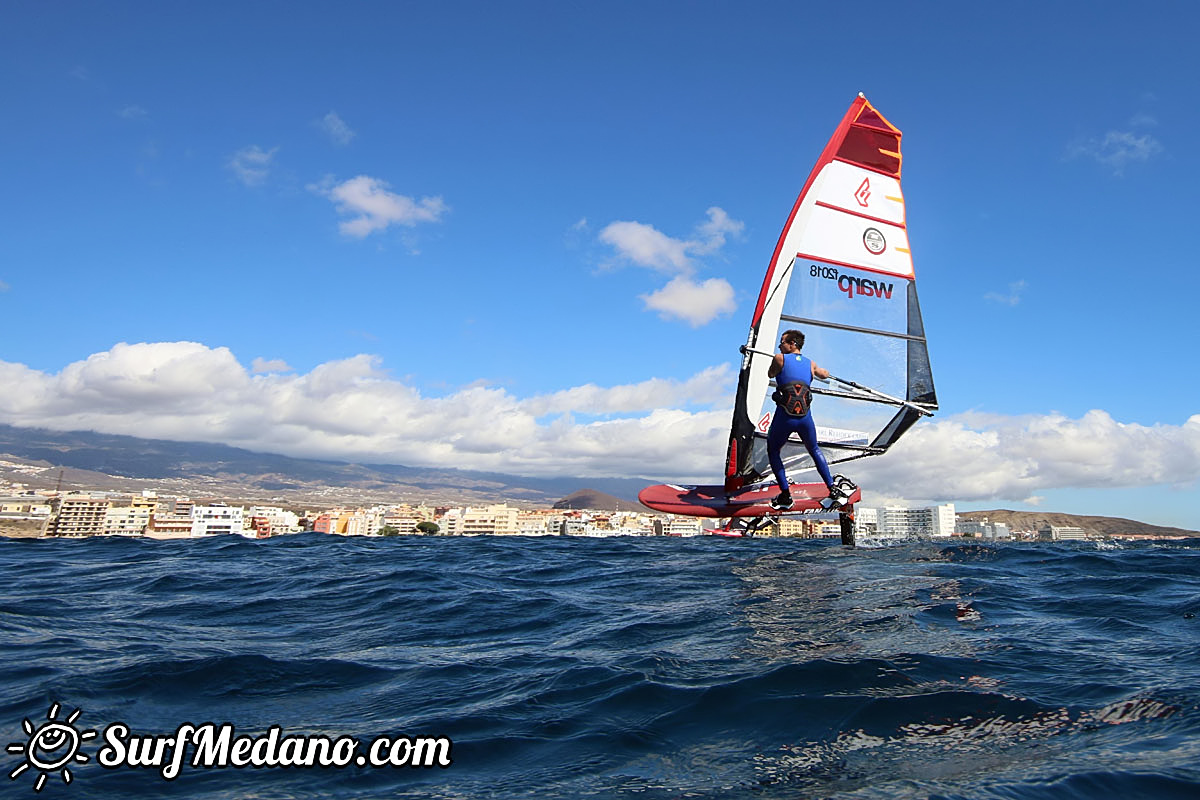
(829, 529)
(126, 520)
(983, 529)
(78, 514)
(217, 519)
(405, 518)
(633, 524)
(934, 522)
(683, 526)
(24, 506)
(494, 520)
(281, 521)
(450, 523)
(1064, 533)
(170, 526)
(361, 523)
(146, 500)
(572, 526)
(866, 521)
(943, 520)
(533, 523)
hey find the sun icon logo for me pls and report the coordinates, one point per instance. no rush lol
(52, 747)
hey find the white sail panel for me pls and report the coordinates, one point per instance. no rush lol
(860, 191)
(843, 238)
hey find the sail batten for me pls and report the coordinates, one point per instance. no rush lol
(839, 326)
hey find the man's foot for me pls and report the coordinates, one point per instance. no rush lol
(782, 501)
(839, 492)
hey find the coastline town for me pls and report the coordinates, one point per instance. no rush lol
(50, 513)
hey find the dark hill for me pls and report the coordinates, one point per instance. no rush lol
(127, 463)
(596, 501)
(1096, 526)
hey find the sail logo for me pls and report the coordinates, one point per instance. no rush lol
(874, 242)
(852, 286)
(863, 195)
(864, 287)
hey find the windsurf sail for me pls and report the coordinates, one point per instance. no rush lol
(842, 273)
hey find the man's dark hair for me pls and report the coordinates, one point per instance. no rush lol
(795, 337)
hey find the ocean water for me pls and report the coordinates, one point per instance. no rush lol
(623, 667)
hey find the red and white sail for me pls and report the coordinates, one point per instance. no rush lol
(842, 273)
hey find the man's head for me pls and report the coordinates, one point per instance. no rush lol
(793, 337)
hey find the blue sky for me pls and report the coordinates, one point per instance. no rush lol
(528, 236)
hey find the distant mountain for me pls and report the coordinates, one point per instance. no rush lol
(599, 501)
(1097, 526)
(126, 463)
(86, 460)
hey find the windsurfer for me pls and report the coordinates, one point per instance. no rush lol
(793, 374)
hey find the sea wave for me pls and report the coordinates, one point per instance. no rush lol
(647, 667)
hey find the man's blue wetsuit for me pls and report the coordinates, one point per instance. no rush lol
(796, 369)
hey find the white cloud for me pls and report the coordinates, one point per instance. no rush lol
(992, 457)
(576, 235)
(352, 410)
(133, 112)
(373, 207)
(252, 164)
(694, 303)
(713, 386)
(684, 298)
(646, 246)
(1012, 298)
(336, 129)
(712, 233)
(261, 365)
(668, 429)
(1116, 149)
